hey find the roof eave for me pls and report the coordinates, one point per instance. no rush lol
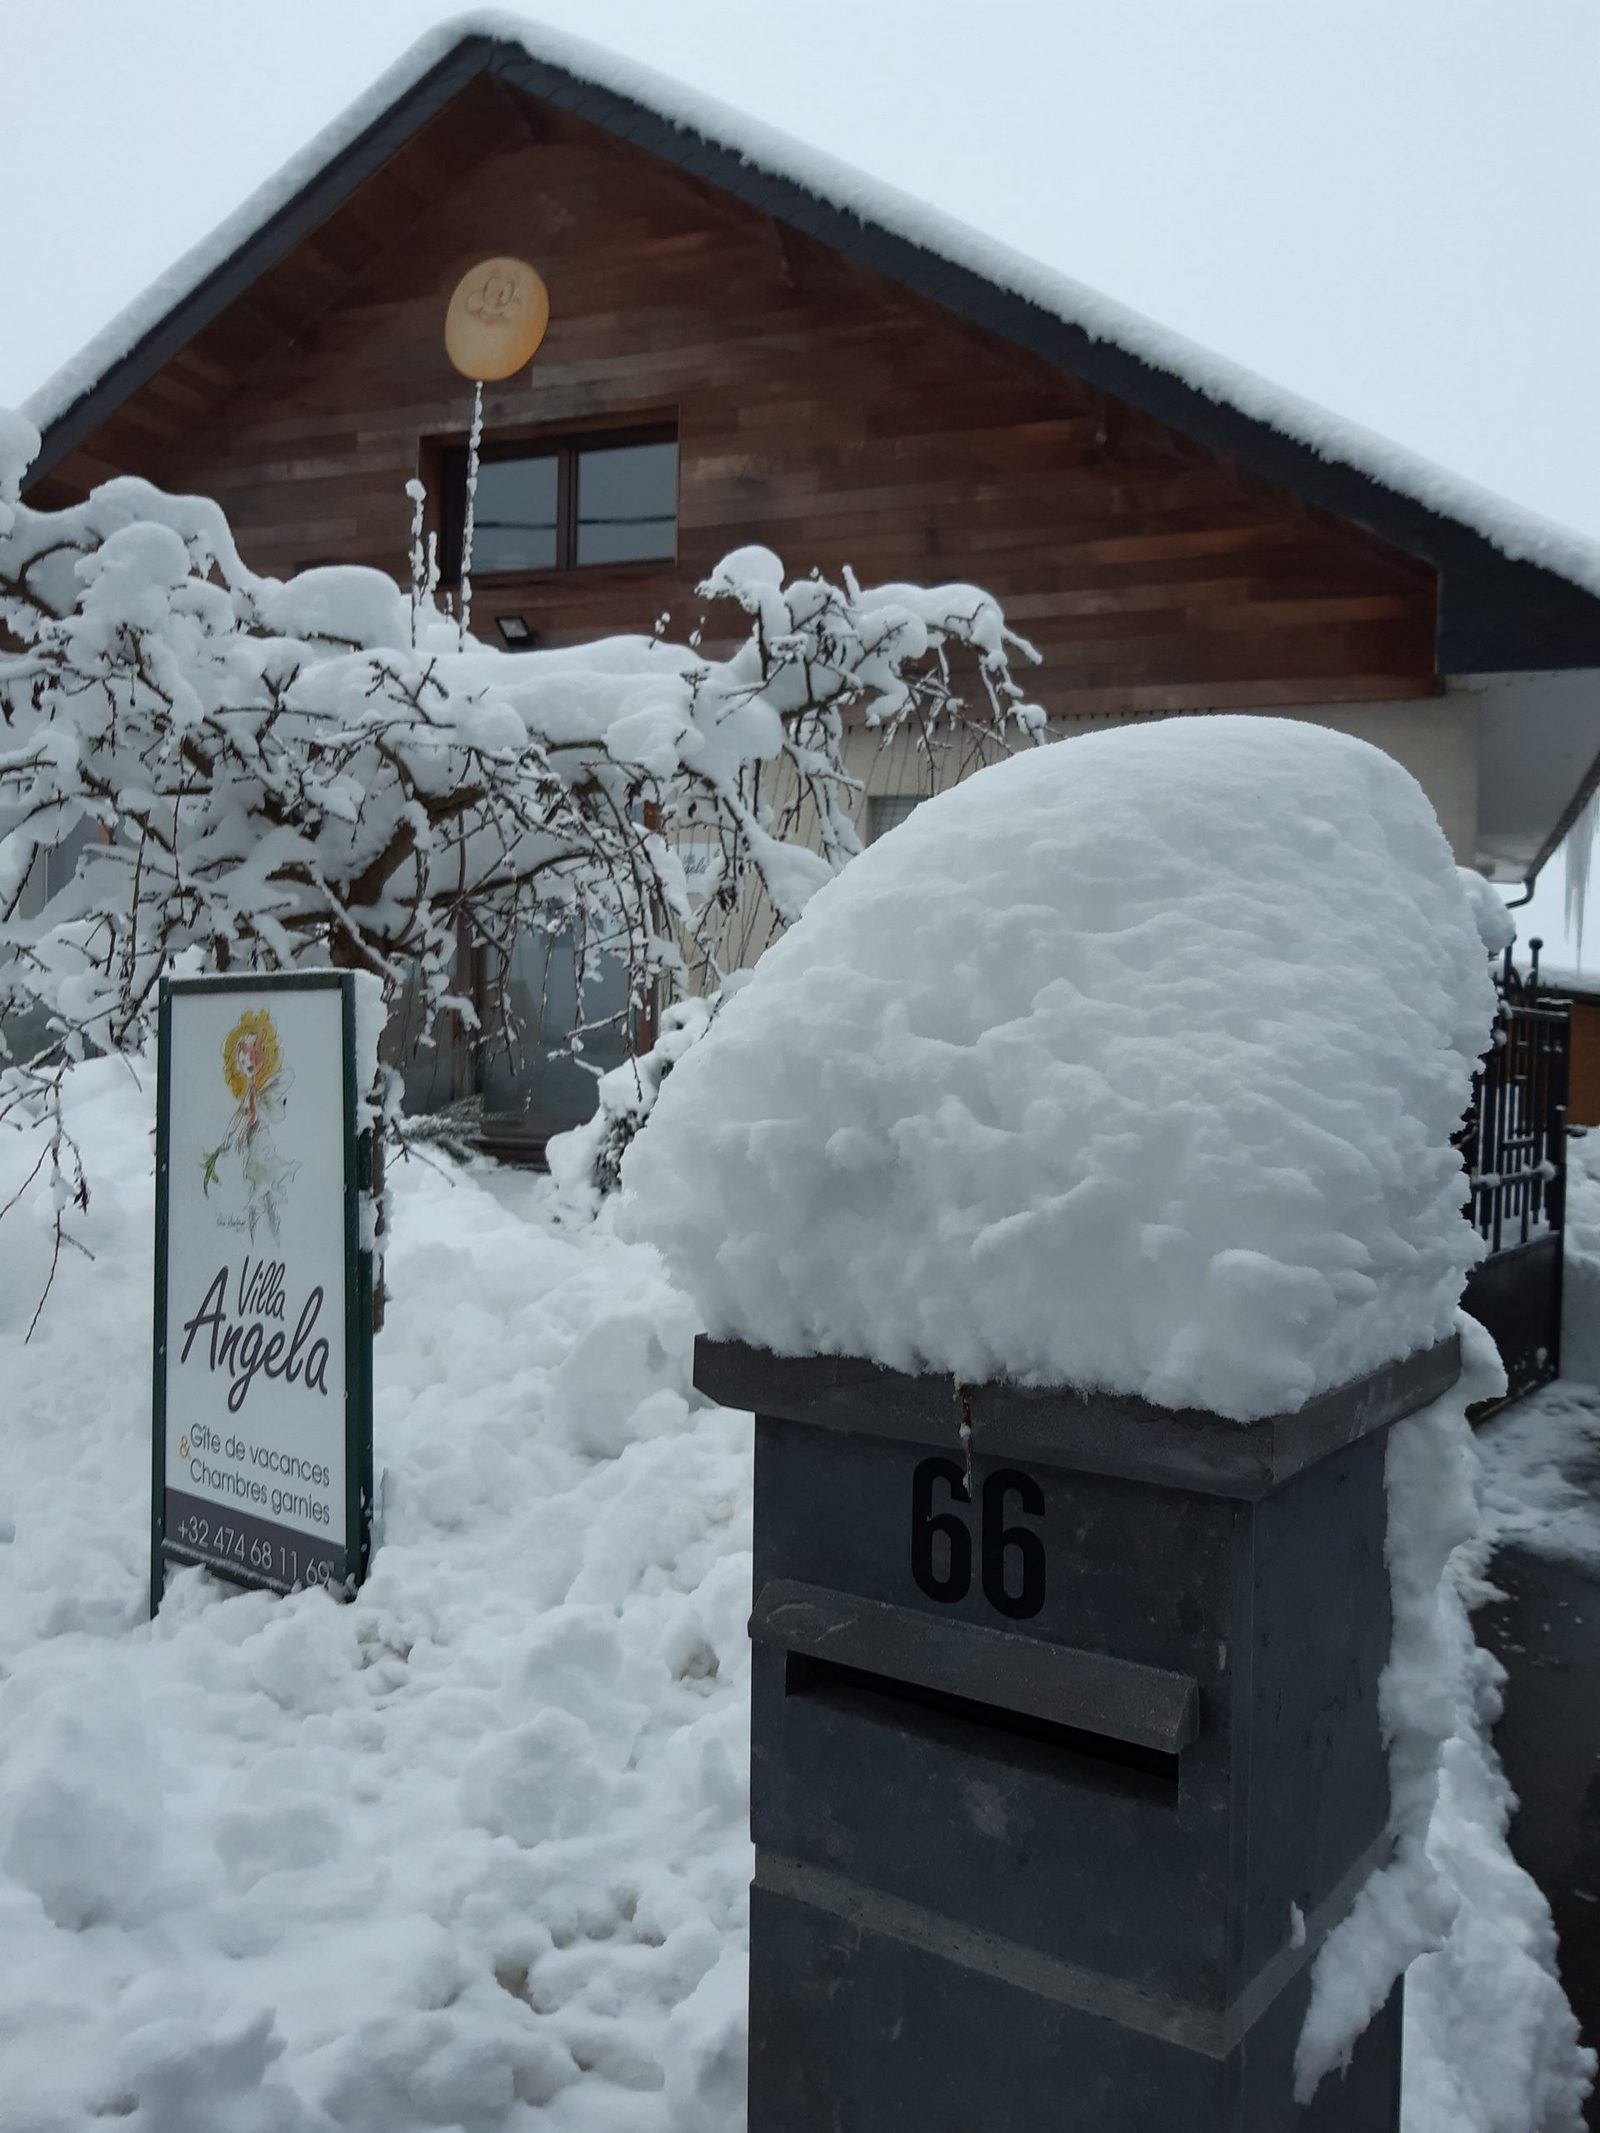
(272, 241)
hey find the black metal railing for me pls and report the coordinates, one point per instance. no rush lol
(1514, 1141)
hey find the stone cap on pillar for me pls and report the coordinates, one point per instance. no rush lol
(1078, 1431)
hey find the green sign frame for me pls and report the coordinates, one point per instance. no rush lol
(165, 1548)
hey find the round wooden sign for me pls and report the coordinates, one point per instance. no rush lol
(496, 319)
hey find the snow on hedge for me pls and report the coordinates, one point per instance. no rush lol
(198, 760)
(1497, 929)
(1132, 1062)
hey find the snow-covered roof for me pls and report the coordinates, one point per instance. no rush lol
(450, 54)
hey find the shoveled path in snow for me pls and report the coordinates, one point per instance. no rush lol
(1542, 1471)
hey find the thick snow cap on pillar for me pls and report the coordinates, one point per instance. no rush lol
(1132, 1063)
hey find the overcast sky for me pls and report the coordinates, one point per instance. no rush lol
(1392, 206)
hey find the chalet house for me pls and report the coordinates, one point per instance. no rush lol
(749, 343)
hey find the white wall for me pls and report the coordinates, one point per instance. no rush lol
(1436, 738)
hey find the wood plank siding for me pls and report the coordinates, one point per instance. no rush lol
(821, 410)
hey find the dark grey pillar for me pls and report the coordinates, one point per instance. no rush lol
(1057, 1787)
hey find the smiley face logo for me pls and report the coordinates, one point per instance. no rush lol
(496, 319)
(497, 301)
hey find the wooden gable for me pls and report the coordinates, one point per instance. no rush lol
(822, 409)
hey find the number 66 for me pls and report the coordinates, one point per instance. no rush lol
(1002, 1547)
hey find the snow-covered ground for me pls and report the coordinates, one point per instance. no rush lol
(470, 1852)
(1540, 1486)
(472, 1843)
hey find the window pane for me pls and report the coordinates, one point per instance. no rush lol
(514, 524)
(887, 810)
(627, 502)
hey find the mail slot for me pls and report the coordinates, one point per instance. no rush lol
(977, 1686)
(943, 1715)
(1065, 1749)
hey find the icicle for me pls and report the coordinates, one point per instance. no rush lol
(419, 556)
(474, 440)
(1579, 854)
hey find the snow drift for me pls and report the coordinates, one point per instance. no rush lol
(468, 1852)
(1131, 1063)
(1491, 2044)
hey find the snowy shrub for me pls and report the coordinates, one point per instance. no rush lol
(195, 758)
(586, 1162)
(1132, 1062)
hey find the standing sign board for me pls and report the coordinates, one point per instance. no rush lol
(263, 1321)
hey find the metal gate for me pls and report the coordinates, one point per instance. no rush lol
(1515, 1144)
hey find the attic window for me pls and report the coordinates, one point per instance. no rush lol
(566, 504)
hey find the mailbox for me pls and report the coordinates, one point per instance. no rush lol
(1065, 1749)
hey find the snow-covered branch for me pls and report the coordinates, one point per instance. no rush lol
(197, 760)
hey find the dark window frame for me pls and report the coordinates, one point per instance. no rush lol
(565, 448)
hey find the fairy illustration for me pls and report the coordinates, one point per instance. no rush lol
(252, 1066)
